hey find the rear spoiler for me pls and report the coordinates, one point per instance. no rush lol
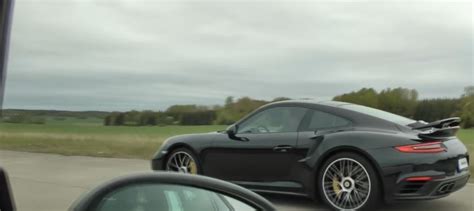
(444, 123)
(439, 129)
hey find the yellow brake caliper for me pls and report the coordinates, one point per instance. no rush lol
(335, 186)
(193, 168)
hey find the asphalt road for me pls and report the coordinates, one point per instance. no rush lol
(47, 182)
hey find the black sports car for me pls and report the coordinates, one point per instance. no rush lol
(351, 156)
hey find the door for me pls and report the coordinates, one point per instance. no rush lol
(266, 154)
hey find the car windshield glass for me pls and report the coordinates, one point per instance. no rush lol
(156, 197)
(379, 114)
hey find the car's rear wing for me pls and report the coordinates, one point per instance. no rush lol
(440, 129)
(444, 123)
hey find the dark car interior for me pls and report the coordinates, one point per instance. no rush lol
(6, 197)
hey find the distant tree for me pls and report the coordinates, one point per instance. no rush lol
(400, 101)
(225, 117)
(198, 118)
(151, 120)
(233, 112)
(434, 109)
(177, 111)
(148, 118)
(108, 120)
(468, 122)
(119, 119)
(132, 117)
(467, 107)
(364, 96)
(185, 108)
(162, 119)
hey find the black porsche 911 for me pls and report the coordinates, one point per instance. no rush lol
(351, 156)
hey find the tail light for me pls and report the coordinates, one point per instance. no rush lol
(431, 147)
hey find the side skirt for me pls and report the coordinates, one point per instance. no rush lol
(283, 187)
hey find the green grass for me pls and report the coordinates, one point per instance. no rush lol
(467, 136)
(91, 139)
(74, 121)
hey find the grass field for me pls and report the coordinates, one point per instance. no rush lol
(89, 138)
(467, 136)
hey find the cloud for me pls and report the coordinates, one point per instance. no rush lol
(89, 55)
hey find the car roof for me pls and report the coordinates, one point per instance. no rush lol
(337, 108)
(312, 102)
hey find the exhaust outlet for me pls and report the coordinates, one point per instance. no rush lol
(445, 188)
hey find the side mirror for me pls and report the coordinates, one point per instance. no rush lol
(232, 130)
(163, 191)
(6, 197)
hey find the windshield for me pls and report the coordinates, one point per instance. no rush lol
(379, 114)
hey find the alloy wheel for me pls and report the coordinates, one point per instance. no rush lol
(181, 162)
(346, 184)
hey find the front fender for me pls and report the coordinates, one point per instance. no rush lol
(194, 142)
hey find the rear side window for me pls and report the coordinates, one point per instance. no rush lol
(379, 114)
(322, 120)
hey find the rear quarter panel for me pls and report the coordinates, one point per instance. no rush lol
(392, 165)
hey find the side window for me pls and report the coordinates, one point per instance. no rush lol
(274, 120)
(322, 120)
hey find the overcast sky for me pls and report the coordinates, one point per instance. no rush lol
(99, 55)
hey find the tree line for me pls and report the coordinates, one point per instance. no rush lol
(22, 116)
(405, 102)
(225, 114)
(400, 101)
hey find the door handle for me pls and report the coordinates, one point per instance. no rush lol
(282, 148)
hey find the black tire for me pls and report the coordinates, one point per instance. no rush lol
(183, 151)
(374, 194)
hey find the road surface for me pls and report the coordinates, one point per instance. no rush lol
(47, 182)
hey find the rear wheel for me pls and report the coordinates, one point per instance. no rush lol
(349, 182)
(183, 161)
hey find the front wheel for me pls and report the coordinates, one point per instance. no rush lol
(349, 182)
(183, 161)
